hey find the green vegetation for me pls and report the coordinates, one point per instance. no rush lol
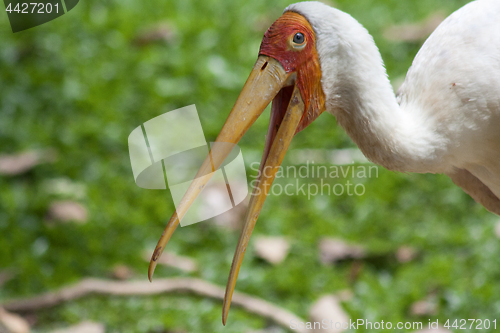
(82, 83)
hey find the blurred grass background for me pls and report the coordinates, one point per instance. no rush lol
(82, 83)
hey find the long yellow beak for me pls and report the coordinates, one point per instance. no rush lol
(269, 168)
(267, 81)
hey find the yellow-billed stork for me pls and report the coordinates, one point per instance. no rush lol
(315, 58)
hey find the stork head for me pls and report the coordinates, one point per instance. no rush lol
(290, 45)
(288, 74)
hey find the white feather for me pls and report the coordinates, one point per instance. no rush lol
(447, 114)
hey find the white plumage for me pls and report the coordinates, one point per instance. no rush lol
(446, 117)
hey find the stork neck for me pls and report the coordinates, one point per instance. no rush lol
(399, 137)
(389, 135)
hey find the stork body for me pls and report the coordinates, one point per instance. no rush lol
(446, 118)
(314, 58)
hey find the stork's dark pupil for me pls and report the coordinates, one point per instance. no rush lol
(298, 38)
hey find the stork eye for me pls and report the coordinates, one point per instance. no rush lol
(299, 38)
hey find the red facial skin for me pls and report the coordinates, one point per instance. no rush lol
(277, 43)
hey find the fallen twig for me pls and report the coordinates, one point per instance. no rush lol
(89, 286)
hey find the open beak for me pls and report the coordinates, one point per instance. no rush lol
(267, 82)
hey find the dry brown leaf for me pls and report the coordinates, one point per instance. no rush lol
(83, 327)
(333, 250)
(13, 322)
(183, 263)
(122, 272)
(345, 295)
(425, 307)
(161, 32)
(414, 32)
(406, 254)
(5, 276)
(328, 308)
(16, 164)
(66, 211)
(272, 249)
